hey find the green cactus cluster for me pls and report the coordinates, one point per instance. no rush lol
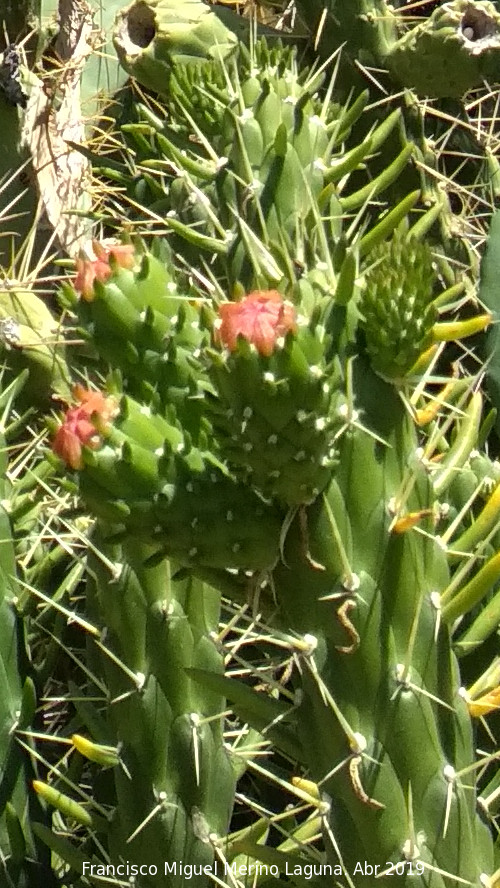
(278, 465)
(229, 191)
(347, 545)
(397, 306)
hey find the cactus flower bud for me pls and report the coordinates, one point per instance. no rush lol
(261, 318)
(82, 425)
(90, 270)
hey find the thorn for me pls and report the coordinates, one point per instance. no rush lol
(358, 787)
(342, 616)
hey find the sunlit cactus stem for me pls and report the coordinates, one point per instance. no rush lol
(163, 739)
(466, 33)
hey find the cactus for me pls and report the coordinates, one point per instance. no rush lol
(173, 780)
(24, 859)
(413, 49)
(360, 566)
(268, 415)
(273, 423)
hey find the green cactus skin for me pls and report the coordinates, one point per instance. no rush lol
(489, 297)
(382, 686)
(148, 34)
(24, 860)
(175, 784)
(444, 55)
(451, 52)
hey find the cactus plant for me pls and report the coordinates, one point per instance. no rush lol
(25, 860)
(266, 434)
(266, 410)
(413, 49)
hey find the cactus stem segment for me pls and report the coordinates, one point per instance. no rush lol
(403, 679)
(356, 741)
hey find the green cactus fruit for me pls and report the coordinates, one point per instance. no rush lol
(149, 35)
(451, 52)
(274, 410)
(397, 306)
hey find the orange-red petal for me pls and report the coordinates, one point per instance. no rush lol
(90, 270)
(262, 318)
(83, 425)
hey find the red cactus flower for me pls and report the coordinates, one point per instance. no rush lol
(83, 425)
(90, 270)
(262, 317)
(94, 402)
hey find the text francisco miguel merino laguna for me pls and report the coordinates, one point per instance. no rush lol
(188, 870)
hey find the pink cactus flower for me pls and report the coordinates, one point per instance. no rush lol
(83, 425)
(90, 270)
(262, 318)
